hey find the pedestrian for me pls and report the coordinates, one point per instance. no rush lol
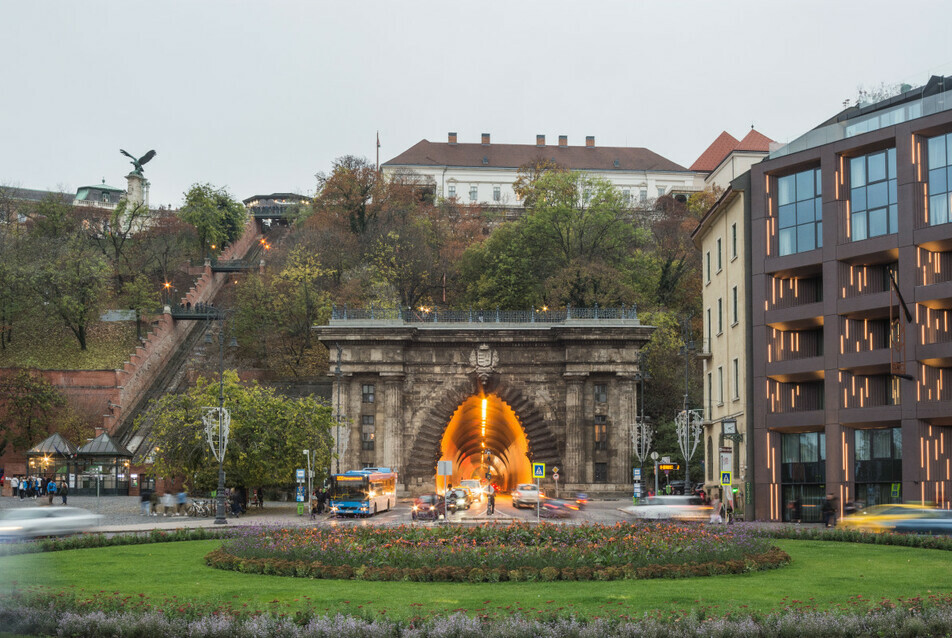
(796, 510)
(490, 500)
(145, 502)
(14, 487)
(716, 510)
(51, 490)
(64, 491)
(22, 487)
(181, 499)
(154, 502)
(829, 512)
(168, 503)
(730, 512)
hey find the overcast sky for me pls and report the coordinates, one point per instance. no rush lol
(259, 96)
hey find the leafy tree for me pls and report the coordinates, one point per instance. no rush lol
(142, 297)
(114, 234)
(53, 218)
(72, 285)
(216, 217)
(348, 191)
(267, 436)
(501, 271)
(30, 408)
(530, 173)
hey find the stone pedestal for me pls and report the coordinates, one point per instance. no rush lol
(137, 190)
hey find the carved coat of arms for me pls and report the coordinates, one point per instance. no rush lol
(484, 361)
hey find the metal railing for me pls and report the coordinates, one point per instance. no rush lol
(432, 315)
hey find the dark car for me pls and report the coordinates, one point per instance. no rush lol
(934, 522)
(426, 507)
(555, 508)
(458, 499)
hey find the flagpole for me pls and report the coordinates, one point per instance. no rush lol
(378, 151)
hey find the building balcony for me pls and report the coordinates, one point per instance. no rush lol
(792, 370)
(937, 295)
(937, 355)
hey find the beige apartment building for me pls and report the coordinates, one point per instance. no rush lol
(722, 236)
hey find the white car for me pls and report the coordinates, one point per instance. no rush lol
(45, 521)
(679, 507)
(525, 495)
(475, 488)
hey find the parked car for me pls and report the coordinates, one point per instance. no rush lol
(45, 521)
(427, 506)
(458, 499)
(476, 488)
(525, 495)
(678, 507)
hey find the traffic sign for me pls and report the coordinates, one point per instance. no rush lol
(444, 468)
(538, 470)
(555, 470)
(636, 474)
(725, 478)
(300, 475)
(555, 475)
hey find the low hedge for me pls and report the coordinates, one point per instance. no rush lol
(87, 541)
(220, 559)
(919, 541)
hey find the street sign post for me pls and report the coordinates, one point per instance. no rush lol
(299, 475)
(444, 469)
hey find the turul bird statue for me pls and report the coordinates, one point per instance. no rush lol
(137, 163)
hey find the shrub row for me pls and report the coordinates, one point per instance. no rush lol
(220, 559)
(855, 536)
(87, 541)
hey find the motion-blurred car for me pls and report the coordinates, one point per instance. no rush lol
(45, 521)
(427, 506)
(685, 508)
(555, 508)
(933, 522)
(476, 488)
(458, 498)
(881, 518)
(525, 495)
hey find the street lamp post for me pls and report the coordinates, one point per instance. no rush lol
(641, 437)
(218, 436)
(688, 422)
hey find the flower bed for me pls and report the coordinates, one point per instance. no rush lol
(518, 552)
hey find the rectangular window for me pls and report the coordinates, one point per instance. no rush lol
(451, 191)
(708, 264)
(601, 432)
(661, 191)
(719, 263)
(940, 178)
(497, 193)
(733, 241)
(473, 192)
(710, 392)
(736, 378)
(874, 208)
(367, 393)
(626, 195)
(643, 195)
(720, 315)
(601, 393)
(367, 431)
(601, 472)
(709, 326)
(734, 305)
(800, 212)
(720, 385)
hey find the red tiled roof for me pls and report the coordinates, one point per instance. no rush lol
(715, 153)
(426, 153)
(754, 141)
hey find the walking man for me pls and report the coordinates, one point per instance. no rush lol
(14, 487)
(64, 491)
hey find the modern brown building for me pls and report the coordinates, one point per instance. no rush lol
(851, 297)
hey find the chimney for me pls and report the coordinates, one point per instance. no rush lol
(590, 141)
(540, 140)
(563, 140)
(486, 139)
(451, 138)
(99, 430)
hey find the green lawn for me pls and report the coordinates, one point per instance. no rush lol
(44, 343)
(824, 574)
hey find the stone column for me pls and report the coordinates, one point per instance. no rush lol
(619, 436)
(342, 438)
(575, 466)
(391, 427)
(136, 189)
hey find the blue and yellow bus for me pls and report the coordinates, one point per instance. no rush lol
(363, 492)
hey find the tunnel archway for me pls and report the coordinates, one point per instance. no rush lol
(485, 440)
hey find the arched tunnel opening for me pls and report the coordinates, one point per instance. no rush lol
(484, 436)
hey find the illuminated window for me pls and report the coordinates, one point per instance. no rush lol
(601, 393)
(601, 432)
(800, 212)
(874, 210)
(940, 178)
(367, 431)
(367, 394)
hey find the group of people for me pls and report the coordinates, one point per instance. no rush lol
(167, 504)
(827, 510)
(37, 487)
(319, 498)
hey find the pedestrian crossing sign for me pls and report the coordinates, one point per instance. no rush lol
(725, 478)
(538, 470)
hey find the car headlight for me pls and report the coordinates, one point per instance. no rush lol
(11, 528)
(415, 508)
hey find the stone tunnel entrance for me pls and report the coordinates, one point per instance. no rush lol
(485, 440)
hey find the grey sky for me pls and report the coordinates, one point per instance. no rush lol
(259, 96)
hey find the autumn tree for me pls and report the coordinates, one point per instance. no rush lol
(348, 191)
(217, 218)
(529, 174)
(30, 409)
(142, 297)
(115, 232)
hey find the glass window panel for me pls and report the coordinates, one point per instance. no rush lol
(877, 195)
(791, 448)
(862, 445)
(819, 234)
(897, 443)
(818, 208)
(938, 180)
(805, 212)
(858, 199)
(805, 185)
(819, 182)
(948, 174)
(821, 436)
(882, 440)
(876, 167)
(948, 148)
(858, 222)
(891, 162)
(788, 215)
(893, 194)
(939, 209)
(857, 172)
(893, 218)
(937, 156)
(808, 445)
(806, 237)
(788, 241)
(878, 222)
(786, 187)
